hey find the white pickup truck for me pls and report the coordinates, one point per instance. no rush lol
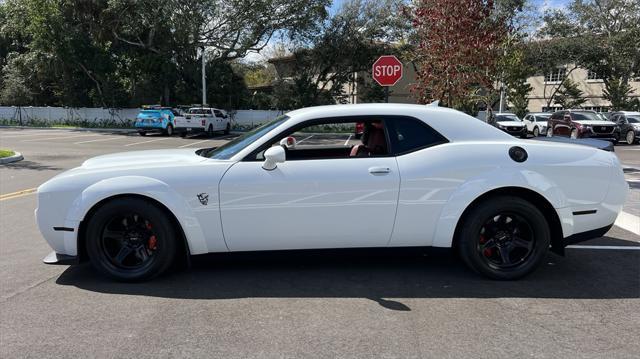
(204, 119)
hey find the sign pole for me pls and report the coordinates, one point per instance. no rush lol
(386, 94)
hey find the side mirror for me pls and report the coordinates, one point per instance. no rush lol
(567, 118)
(273, 156)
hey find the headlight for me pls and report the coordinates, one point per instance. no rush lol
(500, 126)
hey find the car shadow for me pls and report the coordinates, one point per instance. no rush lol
(30, 165)
(582, 274)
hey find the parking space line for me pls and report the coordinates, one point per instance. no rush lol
(306, 138)
(628, 222)
(191, 144)
(39, 133)
(12, 195)
(59, 137)
(624, 248)
(98, 140)
(149, 141)
(347, 141)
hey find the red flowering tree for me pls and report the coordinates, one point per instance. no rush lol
(459, 44)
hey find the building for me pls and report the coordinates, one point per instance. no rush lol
(544, 86)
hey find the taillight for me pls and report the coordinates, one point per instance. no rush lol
(203, 122)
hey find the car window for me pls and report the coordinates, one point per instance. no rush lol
(543, 117)
(199, 111)
(507, 118)
(333, 139)
(585, 116)
(409, 134)
(218, 113)
(634, 119)
(231, 148)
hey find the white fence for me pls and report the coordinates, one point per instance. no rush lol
(125, 116)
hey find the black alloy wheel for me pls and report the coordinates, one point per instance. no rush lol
(504, 237)
(130, 239)
(210, 131)
(536, 132)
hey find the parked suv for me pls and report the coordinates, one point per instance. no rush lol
(536, 123)
(511, 124)
(629, 125)
(157, 119)
(581, 124)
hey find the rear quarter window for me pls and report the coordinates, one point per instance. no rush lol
(410, 134)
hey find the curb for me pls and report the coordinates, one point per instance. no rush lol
(15, 158)
(73, 128)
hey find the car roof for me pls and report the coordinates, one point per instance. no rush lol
(627, 112)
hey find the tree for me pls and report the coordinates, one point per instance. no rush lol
(569, 95)
(335, 58)
(609, 32)
(459, 43)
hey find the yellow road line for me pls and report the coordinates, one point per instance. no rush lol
(24, 192)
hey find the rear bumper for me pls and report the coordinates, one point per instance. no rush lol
(585, 236)
(60, 259)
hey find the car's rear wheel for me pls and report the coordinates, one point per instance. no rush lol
(503, 238)
(142, 133)
(536, 132)
(169, 130)
(227, 130)
(210, 130)
(130, 239)
(631, 137)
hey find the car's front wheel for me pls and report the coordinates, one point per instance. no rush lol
(130, 239)
(631, 137)
(536, 132)
(503, 238)
(574, 133)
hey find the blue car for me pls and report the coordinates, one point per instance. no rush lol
(161, 119)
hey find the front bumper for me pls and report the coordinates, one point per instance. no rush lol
(60, 259)
(514, 132)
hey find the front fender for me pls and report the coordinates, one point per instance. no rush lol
(143, 186)
(475, 187)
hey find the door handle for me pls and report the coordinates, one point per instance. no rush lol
(379, 170)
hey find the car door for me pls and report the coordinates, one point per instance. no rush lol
(310, 203)
(219, 120)
(563, 124)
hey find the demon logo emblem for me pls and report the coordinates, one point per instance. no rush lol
(203, 198)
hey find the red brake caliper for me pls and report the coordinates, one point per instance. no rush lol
(153, 241)
(487, 251)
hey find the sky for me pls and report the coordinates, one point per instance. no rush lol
(541, 5)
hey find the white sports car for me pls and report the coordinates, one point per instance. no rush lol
(420, 176)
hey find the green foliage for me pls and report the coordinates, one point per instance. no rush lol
(123, 53)
(569, 95)
(602, 36)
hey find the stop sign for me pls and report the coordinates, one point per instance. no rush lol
(387, 70)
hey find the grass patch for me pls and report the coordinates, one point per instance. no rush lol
(6, 153)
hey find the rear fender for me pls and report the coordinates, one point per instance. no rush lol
(476, 187)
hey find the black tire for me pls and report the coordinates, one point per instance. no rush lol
(126, 231)
(473, 239)
(210, 131)
(227, 130)
(574, 134)
(630, 137)
(536, 132)
(142, 133)
(169, 130)
(550, 131)
(183, 134)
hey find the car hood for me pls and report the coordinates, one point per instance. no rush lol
(510, 123)
(144, 158)
(595, 123)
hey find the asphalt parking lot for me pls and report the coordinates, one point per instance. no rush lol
(586, 304)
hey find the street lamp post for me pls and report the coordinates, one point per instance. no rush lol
(204, 79)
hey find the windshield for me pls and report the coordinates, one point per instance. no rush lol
(543, 117)
(586, 116)
(507, 118)
(229, 149)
